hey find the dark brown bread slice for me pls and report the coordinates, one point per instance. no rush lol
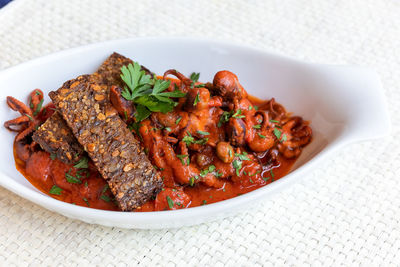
(54, 136)
(118, 156)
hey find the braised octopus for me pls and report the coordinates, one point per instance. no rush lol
(217, 143)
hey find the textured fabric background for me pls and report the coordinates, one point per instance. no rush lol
(345, 213)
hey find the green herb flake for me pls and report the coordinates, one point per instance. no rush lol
(218, 174)
(257, 172)
(105, 198)
(284, 138)
(82, 163)
(178, 120)
(194, 77)
(196, 99)
(55, 190)
(188, 139)
(256, 107)
(170, 202)
(202, 85)
(53, 156)
(251, 181)
(272, 173)
(204, 202)
(261, 136)
(204, 172)
(86, 201)
(224, 118)
(237, 114)
(38, 108)
(203, 133)
(30, 118)
(242, 156)
(105, 188)
(72, 179)
(182, 158)
(168, 129)
(274, 121)
(257, 126)
(277, 133)
(191, 181)
(237, 164)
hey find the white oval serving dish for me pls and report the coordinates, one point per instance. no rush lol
(344, 104)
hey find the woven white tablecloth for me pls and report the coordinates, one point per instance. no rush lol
(345, 213)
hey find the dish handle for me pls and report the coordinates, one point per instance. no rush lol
(359, 101)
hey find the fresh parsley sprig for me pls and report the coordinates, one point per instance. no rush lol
(148, 94)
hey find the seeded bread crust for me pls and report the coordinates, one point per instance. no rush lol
(85, 106)
(55, 137)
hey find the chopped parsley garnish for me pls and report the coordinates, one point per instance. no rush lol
(30, 118)
(86, 184)
(105, 188)
(178, 120)
(251, 181)
(72, 179)
(168, 129)
(204, 202)
(170, 202)
(194, 77)
(191, 181)
(82, 163)
(224, 118)
(237, 164)
(266, 179)
(196, 99)
(53, 156)
(256, 107)
(135, 126)
(55, 190)
(274, 121)
(105, 198)
(218, 174)
(261, 136)
(242, 156)
(204, 172)
(284, 138)
(257, 172)
(200, 85)
(277, 133)
(237, 114)
(272, 173)
(203, 133)
(189, 139)
(38, 108)
(148, 94)
(257, 126)
(182, 158)
(86, 201)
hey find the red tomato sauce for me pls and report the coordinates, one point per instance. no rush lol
(204, 153)
(43, 172)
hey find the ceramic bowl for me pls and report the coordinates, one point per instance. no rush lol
(344, 104)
